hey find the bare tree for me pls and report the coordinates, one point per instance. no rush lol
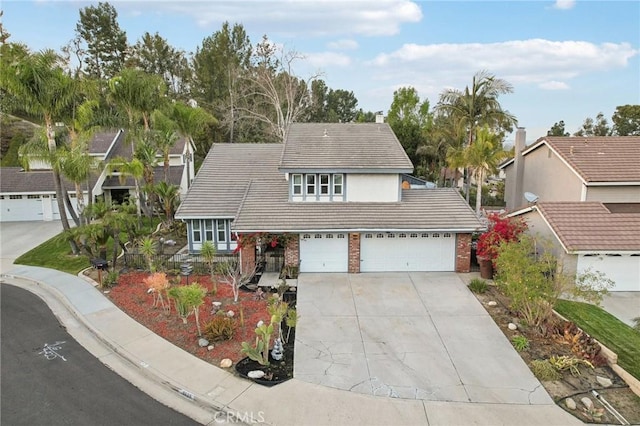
(232, 275)
(275, 96)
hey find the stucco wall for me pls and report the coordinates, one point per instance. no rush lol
(373, 187)
(549, 178)
(614, 194)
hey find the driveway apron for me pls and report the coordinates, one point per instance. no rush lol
(406, 335)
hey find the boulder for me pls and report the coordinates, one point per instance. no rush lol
(570, 403)
(210, 347)
(492, 303)
(202, 342)
(604, 382)
(587, 402)
(255, 374)
(226, 363)
(512, 326)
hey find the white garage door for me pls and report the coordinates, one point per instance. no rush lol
(56, 210)
(324, 253)
(623, 270)
(411, 251)
(17, 208)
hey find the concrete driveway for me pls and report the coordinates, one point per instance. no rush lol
(406, 335)
(17, 238)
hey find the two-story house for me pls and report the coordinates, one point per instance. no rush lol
(338, 190)
(30, 195)
(582, 194)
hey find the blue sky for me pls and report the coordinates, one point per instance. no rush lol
(567, 60)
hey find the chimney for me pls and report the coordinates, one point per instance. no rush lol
(379, 117)
(516, 194)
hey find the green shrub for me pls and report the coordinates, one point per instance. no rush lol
(543, 370)
(521, 343)
(110, 279)
(478, 285)
(570, 363)
(220, 328)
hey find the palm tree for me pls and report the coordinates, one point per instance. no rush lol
(477, 106)
(125, 168)
(169, 196)
(165, 138)
(46, 91)
(189, 121)
(482, 157)
(146, 154)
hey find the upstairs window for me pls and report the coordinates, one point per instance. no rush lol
(311, 184)
(297, 184)
(337, 184)
(324, 184)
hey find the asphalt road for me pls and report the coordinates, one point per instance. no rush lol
(62, 384)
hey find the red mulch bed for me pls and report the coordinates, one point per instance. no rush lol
(130, 295)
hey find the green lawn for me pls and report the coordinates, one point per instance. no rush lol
(55, 254)
(607, 329)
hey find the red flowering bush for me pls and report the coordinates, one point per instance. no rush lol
(132, 296)
(501, 229)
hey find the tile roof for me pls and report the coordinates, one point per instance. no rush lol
(122, 148)
(16, 180)
(596, 159)
(101, 142)
(343, 147)
(583, 226)
(175, 177)
(222, 179)
(266, 208)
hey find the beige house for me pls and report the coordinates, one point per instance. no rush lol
(603, 169)
(339, 192)
(583, 194)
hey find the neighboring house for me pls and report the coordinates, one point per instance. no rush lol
(30, 195)
(583, 193)
(337, 191)
(574, 169)
(602, 236)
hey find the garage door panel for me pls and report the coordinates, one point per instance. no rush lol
(407, 252)
(20, 209)
(623, 270)
(322, 252)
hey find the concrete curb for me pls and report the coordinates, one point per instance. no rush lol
(199, 402)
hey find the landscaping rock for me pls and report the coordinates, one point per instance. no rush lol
(604, 382)
(587, 402)
(255, 374)
(216, 304)
(570, 403)
(230, 314)
(492, 303)
(512, 326)
(202, 342)
(210, 347)
(226, 363)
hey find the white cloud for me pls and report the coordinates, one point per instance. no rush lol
(553, 85)
(344, 44)
(317, 17)
(564, 4)
(327, 59)
(534, 61)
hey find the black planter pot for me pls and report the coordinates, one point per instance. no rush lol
(280, 372)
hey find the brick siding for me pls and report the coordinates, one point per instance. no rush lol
(292, 252)
(354, 253)
(463, 252)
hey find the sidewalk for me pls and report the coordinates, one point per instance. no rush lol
(211, 395)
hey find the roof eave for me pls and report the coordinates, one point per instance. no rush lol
(376, 170)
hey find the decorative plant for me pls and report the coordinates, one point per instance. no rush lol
(259, 238)
(520, 343)
(208, 252)
(221, 327)
(501, 229)
(543, 370)
(289, 271)
(148, 249)
(478, 285)
(570, 363)
(158, 283)
(188, 299)
(260, 350)
(291, 320)
(110, 279)
(232, 275)
(533, 280)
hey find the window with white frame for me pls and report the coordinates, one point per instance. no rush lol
(324, 184)
(195, 231)
(221, 225)
(296, 182)
(208, 230)
(311, 185)
(337, 184)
